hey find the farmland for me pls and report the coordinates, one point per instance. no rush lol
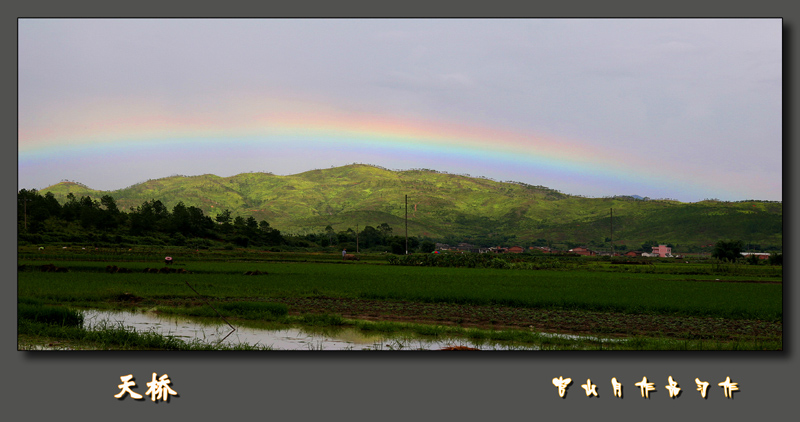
(666, 305)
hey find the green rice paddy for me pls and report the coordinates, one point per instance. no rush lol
(310, 284)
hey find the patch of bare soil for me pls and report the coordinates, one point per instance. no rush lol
(544, 320)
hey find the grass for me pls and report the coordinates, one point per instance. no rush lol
(42, 324)
(594, 287)
(33, 334)
(264, 311)
(584, 290)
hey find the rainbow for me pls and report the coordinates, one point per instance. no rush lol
(287, 130)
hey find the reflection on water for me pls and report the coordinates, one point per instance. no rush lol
(283, 338)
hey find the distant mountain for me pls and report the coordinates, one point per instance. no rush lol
(443, 205)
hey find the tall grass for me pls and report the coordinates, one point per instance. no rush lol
(107, 336)
(35, 311)
(263, 311)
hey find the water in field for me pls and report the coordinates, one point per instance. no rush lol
(284, 338)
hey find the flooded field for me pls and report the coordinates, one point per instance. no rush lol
(283, 338)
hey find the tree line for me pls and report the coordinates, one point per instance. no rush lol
(372, 239)
(43, 219)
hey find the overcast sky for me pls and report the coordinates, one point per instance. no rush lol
(666, 108)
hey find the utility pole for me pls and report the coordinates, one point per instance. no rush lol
(406, 224)
(356, 238)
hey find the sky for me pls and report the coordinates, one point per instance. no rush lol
(686, 109)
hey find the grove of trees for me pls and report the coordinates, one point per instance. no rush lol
(42, 219)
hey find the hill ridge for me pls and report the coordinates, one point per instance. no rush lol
(442, 204)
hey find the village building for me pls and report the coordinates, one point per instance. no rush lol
(480, 250)
(760, 255)
(580, 250)
(662, 251)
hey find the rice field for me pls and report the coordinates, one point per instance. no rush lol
(658, 304)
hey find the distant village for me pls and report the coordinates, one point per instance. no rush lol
(660, 251)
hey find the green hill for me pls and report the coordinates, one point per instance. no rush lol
(449, 206)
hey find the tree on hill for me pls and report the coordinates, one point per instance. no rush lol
(728, 250)
(224, 219)
(330, 233)
(398, 248)
(369, 237)
(148, 217)
(33, 209)
(385, 231)
(189, 221)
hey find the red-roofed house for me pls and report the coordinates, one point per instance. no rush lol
(580, 250)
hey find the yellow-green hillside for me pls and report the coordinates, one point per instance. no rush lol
(446, 205)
